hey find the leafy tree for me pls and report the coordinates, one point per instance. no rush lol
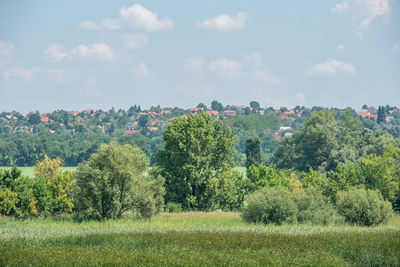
(58, 183)
(253, 152)
(34, 118)
(215, 105)
(255, 105)
(144, 121)
(203, 106)
(196, 150)
(112, 182)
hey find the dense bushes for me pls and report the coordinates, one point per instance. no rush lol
(364, 207)
(270, 205)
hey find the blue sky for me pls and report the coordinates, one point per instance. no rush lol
(101, 54)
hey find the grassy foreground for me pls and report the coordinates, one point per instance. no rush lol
(194, 239)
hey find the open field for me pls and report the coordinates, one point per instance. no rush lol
(28, 171)
(195, 239)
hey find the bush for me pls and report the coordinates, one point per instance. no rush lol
(270, 205)
(173, 207)
(363, 207)
(313, 207)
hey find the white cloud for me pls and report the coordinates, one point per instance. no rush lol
(6, 52)
(300, 97)
(265, 76)
(194, 64)
(57, 75)
(111, 24)
(225, 22)
(339, 47)
(135, 40)
(99, 51)
(21, 73)
(89, 26)
(365, 10)
(332, 67)
(340, 7)
(141, 70)
(227, 68)
(145, 19)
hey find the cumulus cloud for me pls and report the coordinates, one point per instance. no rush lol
(144, 19)
(99, 51)
(135, 40)
(89, 26)
(111, 24)
(367, 10)
(340, 7)
(227, 68)
(225, 22)
(195, 64)
(332, 67)
(21, 73)
(141, 70)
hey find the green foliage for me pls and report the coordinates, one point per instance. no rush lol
(173, 207)
(313, 207)
(229, 190)
(266, 176)
(196, 151)
(8, 201)
(112, 182)
(253, 152)
(270, 205)
(58, 185)
(363, 207)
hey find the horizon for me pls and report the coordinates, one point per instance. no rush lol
(98, 55)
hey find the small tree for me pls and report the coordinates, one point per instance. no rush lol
(112, 182)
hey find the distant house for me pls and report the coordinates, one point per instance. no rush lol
(152, 128)
(396, 110)
(230, 113)
(373, 116)
(45, 119)
(276, 137)
(212, 112)
(131, 131)
(156, 122)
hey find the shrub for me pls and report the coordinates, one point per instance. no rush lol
(173, 207)
(363, 207)
(270, 205)
(313, 207)
(8, 200)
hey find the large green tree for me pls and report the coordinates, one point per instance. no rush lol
(196, 150)
(113, 182)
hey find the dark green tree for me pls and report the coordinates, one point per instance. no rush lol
(255, 105)
(253, 152)
(196, 151)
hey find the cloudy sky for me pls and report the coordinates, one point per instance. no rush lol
(98, 54)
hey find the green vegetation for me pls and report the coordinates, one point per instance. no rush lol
(195, 239)
(30, 171)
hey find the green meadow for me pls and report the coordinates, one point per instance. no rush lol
(29, 171)
(194, 239)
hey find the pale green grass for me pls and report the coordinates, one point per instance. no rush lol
(29, 171)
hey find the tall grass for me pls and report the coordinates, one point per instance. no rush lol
(195, 239)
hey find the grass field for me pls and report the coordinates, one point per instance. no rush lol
(194, 239)
(28, 171)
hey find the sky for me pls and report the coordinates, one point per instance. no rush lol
(74, 55)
